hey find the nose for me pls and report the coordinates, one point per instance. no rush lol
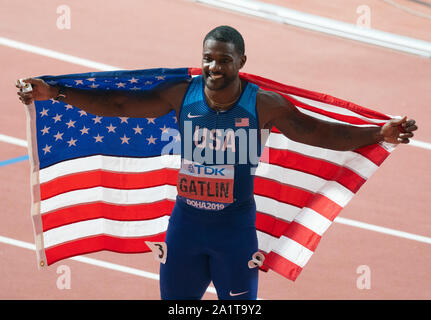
(214, 67)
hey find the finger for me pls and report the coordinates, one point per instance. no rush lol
(33, 80)
(27, 101)
(411, 128)
(25, 94)
(397, 122)
(406, 135)
(403, 140)
(410, 124)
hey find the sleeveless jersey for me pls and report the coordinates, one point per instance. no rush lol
(220, 151)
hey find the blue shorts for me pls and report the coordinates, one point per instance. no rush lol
(207, 246)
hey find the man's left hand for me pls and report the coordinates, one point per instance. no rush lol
(398, 130)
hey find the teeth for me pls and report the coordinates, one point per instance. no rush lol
(216, 76)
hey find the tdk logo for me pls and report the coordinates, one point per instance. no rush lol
(209, 171)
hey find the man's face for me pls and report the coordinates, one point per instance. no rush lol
(220, 64)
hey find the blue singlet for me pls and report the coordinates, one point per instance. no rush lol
(211, 234)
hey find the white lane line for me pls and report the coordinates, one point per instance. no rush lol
(55, 55)
(392, 232)
(303, 20)
(12, 140)
(95, 262)
(420, 144)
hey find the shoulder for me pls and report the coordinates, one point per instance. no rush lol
(173, 93)
(265, 96)
(270, 105)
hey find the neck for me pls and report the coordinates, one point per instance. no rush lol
(223, 99)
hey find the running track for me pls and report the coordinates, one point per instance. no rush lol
(168, 33)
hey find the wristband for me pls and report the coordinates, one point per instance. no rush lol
(61, 95)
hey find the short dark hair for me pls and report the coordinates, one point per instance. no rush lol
(229, 35)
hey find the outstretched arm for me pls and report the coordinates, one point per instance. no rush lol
(154, 103)
(276, 111)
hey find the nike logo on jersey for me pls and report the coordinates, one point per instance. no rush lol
(194, 116)
(237, 294)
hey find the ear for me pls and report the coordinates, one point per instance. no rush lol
(243, 60)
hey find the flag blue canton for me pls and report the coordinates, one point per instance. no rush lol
(67, 132)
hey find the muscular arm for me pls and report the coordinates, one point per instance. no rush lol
(146, 104)
(274, 110)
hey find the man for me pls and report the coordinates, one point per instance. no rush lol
(211, 234)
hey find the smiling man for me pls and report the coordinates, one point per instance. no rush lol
(222, 120)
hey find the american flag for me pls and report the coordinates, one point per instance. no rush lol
(241, 122)
(104, 183)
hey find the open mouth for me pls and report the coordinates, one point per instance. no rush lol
(215, 76)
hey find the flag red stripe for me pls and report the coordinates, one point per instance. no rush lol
(340, 117)
(317, 167)
(326, 207)
(281, 192)
(96, 210)
(282, 266)
(302, 235)
(98, 243)
(270, 224)
(325, 98)
(108, 179)
(374, 153)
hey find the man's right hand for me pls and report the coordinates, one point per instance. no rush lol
(41, 91)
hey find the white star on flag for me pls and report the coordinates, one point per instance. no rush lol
(138, 129)
(72, 142)
(97, 119)
(98, 138)
(58, 136)
(124, 139)
(151, 140)
(111, 128)
(84, 130)
(57, 117)
(44, 112)
(45, 130)
(70, 124)
(47, 149)
(164, 129)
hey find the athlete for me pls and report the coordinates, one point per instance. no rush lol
(211, 234)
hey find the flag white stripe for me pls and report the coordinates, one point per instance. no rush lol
(331, 189)
(335, 109)
(108, 195)
(313, 221)
(88, 228)
(352, 160)
(329, 119)
(109, 163)
(285, 247)
(292, 251)
(276, 208)
(265, 241)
